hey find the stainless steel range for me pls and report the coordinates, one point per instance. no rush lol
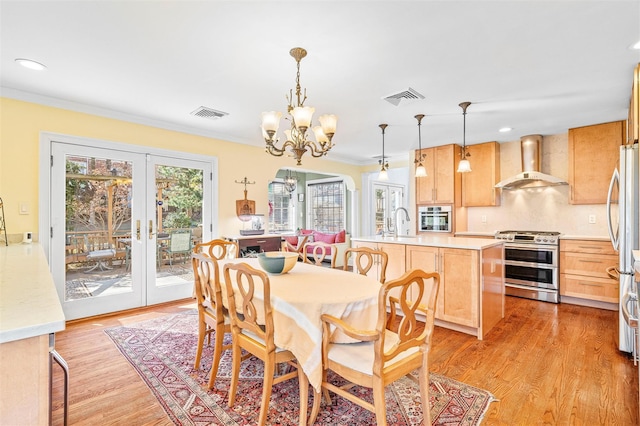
(531, 264)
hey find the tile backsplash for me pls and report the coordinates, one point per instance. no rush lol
(539, 209)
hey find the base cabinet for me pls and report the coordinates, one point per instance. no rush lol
(459, 281)
(471, 293)
(24, 381)
(251, 246)
(583, 271)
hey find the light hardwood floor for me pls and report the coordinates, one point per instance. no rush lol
(547, 364)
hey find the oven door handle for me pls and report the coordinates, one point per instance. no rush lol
(532, 247)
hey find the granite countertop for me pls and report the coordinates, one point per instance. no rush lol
(29, 303)
(429, 241)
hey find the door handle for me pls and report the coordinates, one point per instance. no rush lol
(138, 230)
(615, 239)
(613, 272)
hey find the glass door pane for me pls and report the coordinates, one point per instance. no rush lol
(92, 209)
(176, 217)
(386, 199)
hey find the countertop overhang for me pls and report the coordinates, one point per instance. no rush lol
(434, 241)
(29, 303)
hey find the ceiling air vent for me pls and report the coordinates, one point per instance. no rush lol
(405, 96)
(209, 113)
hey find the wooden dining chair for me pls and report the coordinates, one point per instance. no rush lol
(398, 345)
(252, 330)
(365, 258)
(219, 249)
(317, 252)
(299, 247)
(213, 317)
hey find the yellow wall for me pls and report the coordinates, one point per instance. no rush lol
(21, 123)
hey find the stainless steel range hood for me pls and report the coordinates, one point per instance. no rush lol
(531, 177)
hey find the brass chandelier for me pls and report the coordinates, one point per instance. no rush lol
(300, 117)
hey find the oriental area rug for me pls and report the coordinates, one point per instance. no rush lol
(162, 351)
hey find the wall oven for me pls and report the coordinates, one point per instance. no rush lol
(434, 219)
(531, 264)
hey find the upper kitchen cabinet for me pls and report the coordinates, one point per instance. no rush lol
(593, 155)
(478, 184)
(442, 183)
(633, 123)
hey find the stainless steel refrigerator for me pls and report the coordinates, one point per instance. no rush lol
(622, 205)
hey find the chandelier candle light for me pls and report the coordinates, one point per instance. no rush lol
(464, 166)
(384, 164)
(301, 116)
(420, 170)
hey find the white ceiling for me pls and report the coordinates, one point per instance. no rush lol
(538, 67)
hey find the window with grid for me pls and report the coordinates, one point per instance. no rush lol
(326, 206)
(281, 208)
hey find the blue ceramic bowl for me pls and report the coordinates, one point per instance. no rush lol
(277, 262)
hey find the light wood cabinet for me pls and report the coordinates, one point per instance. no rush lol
(459, 281)
(442, 183)
(593, 155)
(583, 270)
(478, 184)
(471, 293)
(374, 272)
(396, 253)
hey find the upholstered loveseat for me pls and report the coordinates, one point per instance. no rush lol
(340, 240)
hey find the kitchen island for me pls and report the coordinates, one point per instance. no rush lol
(30, 312)
(471, 294)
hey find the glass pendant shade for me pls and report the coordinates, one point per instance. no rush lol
(287, 134)
(421, 171)
(271, 121)
(464, 166)
(383, 175)
(328, 123)
(302, 116)
(321, 137)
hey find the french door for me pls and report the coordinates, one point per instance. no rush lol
(386, 199)
(123, 224)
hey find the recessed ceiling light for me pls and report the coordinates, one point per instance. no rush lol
(636, 46)
(32, 65)
(505, 129)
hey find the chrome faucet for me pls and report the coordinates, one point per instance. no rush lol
(397, 224)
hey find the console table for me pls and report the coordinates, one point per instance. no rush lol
(250, 245)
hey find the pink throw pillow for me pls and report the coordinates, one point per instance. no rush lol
(292, 240)
(325, 238)
(341, 236)
(306, 231)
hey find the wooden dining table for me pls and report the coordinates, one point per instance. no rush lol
(301, 296)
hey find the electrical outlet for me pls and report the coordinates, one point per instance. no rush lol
(483, 218)
(592, 218)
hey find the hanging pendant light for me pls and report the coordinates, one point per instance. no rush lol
(420, 170)
(290, 183)
(464, 166)
(383, 163)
